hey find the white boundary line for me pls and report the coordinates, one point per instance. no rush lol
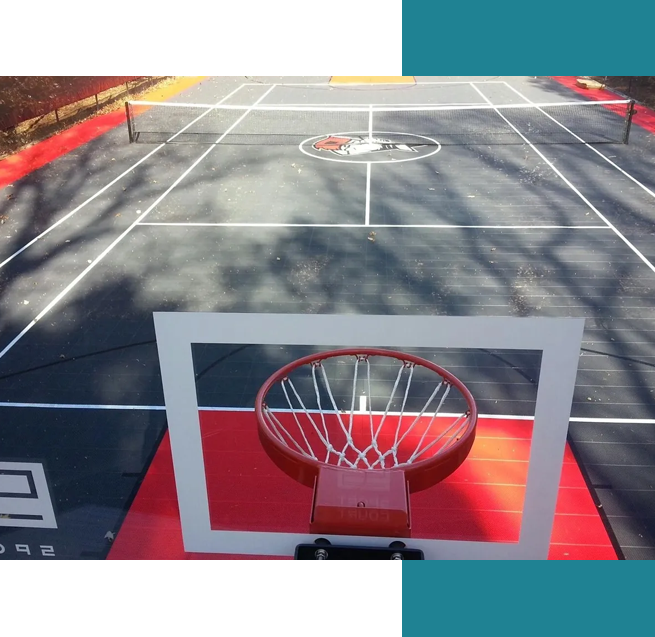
(83, 406)
(379, 105)
(609, 161)
(360, 225)
(570, 185)
(120, 237)
(602, 421)
(367, 212)
(398, 84)
(111, 183)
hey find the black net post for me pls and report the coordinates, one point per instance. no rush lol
(130, 131)
(628, 121)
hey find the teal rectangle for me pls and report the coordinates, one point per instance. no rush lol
(522, 598)
(527, 38)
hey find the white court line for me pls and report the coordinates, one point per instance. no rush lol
(461, 82)
(111, 183)
(380, 104)
(83, 406)
(367, 211)
(360, 225)
(363, 108)
(608, 421)
(607, 159)
(570, 185)
(398, 84)
(116, 241)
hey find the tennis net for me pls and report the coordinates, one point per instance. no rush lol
(552, 123)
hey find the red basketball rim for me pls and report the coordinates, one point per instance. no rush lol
(419, 475)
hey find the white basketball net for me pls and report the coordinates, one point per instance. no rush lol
(309, 433)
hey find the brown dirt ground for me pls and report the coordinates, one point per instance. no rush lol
(28, 133)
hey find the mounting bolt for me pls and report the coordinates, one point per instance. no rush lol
(321, 554)
(396, 556)
(361, 505)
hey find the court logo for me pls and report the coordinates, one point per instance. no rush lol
(365, 148)
(347, 146)
(24, 496)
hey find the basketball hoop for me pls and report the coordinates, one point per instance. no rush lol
(365, 428)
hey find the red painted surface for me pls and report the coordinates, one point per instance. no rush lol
(23, 163)
(17, 166)
(643, 116)
(482, 500)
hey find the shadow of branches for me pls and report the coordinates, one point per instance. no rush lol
(97, 345)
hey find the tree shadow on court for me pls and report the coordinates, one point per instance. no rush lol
(558, 272)
(97, 346)
(93, 351)
(33, 266)
(638, 157)
(556, 275)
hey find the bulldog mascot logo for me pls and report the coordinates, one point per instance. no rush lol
(350, 146)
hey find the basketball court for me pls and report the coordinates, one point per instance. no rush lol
(498, 227)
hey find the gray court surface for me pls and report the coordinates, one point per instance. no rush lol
(99, 239)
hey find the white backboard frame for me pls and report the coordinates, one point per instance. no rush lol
(559, 340)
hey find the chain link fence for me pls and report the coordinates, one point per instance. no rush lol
(35, 107)
(24, 98)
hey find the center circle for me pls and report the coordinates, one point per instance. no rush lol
(362, 147)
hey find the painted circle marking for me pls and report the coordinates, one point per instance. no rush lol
(371, 156)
